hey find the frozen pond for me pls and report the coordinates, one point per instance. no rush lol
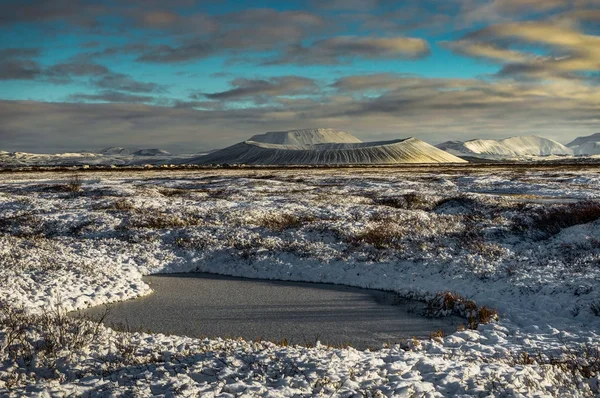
(199, 305)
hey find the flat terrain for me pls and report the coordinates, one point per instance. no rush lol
(523, 240)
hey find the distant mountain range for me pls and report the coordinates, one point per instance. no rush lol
(107, 156)
(514, 147)
(323, 146)
(117, 150)
(589, 145)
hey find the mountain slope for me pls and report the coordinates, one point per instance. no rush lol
(409, 150)
(20, 159)
(117, 150)
(588, 145)
(506, 148)
(151, 152)
(305, 137)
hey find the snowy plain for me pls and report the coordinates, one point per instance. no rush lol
(497, 235)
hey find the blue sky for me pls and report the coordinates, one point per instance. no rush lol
(193, 75)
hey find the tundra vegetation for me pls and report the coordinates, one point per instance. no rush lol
(513, 252)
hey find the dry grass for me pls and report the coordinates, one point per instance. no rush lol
(408, 201)
(554, 219)
(174, 192)
(579, 362)
(283, 221)
(22, 225)
(152, 219)
(595, 307)
(40, 342)
(381, 236)
(121, 205)
(450, 303)
(74, 183)
(438, 334)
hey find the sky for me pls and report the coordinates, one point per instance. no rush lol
(192, 75)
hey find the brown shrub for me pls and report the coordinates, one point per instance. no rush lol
(595, 307)
(381, 236)
(43, 340)
(117, 205)
(74, 183)
(408, 201)
(283, 221)
(171, 192)
(450, 303)
(555, 219)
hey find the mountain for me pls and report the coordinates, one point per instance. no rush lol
(588, 145)
(117, 150)
(305, 137)
(507, 148)
(138, 157)
(151, 152)
(410, 150)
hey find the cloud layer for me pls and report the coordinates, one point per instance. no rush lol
(189, 74)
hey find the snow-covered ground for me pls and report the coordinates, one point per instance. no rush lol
(494, 235)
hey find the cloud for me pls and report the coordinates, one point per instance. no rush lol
(117, 87)
(11, 53)
(65, 72)
(165, 53)
(487, 51)
(172, 22)
(565, 49)
(76, 12)
(385, 82)
(14, 65)
(276, 86)
(496, 10)
(351, 5)
(19, 69)
(122, 82)
(17, 64)
(197, 36)
(337, 49)
(111, 96)
(399, 106)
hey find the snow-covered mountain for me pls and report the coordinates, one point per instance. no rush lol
(514, 147)
(113, 156)
(410, 150)
(305, 137)
(588, 145)
(117, 150)
(151, 152)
